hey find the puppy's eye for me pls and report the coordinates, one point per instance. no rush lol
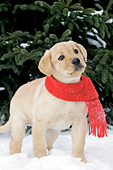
(61, 57)
(76, 51)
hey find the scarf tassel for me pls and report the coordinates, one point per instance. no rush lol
(98, 130)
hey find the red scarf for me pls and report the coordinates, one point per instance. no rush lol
(84, 90)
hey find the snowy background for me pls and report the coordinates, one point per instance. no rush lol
(99, 153)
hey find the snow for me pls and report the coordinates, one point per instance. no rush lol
(79, 17)
(99, 43)
(99, 153)
(2, 88)
(69, 13)
(97, 12)
(24, 45)
(62, 23)
(102, 41)
(110, 21)
(95, 30)
(94, 42)
(100, 12)
(90, 33)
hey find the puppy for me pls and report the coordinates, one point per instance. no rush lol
(48, 115)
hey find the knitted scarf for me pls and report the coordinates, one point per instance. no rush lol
(84, 90)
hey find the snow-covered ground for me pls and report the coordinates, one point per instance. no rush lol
(99, 153)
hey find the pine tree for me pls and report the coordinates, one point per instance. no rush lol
(28, 29)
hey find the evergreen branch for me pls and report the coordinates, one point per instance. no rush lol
(68, 2)
(66, 33)
(7, 55)
(99, 83)
(59, 5)
(76, 7)
(15, 35)
(4, 108)
(99, 6)
(43, 4)
(6, 67)
(25, 7)
(109, 5)
(34, 57)
(62, 1)
(8, 88)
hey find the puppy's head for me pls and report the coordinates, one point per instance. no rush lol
(64, 59)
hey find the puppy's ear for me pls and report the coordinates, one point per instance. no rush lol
(45, 64)
(82, 50)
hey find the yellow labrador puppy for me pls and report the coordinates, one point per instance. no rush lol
(48, 115)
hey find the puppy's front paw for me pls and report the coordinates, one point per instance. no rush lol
(40, 153)
(83, 159)
(49, 147)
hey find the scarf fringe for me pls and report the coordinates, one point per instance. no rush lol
(98, 130)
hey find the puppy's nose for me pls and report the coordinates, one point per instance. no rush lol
(76, 61)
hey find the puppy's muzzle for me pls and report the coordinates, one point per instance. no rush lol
(76, 61)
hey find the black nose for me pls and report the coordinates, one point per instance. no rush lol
(76, 61)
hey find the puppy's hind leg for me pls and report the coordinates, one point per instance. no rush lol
(17, 134)
(51, 136)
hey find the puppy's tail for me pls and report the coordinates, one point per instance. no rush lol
(7, 127)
